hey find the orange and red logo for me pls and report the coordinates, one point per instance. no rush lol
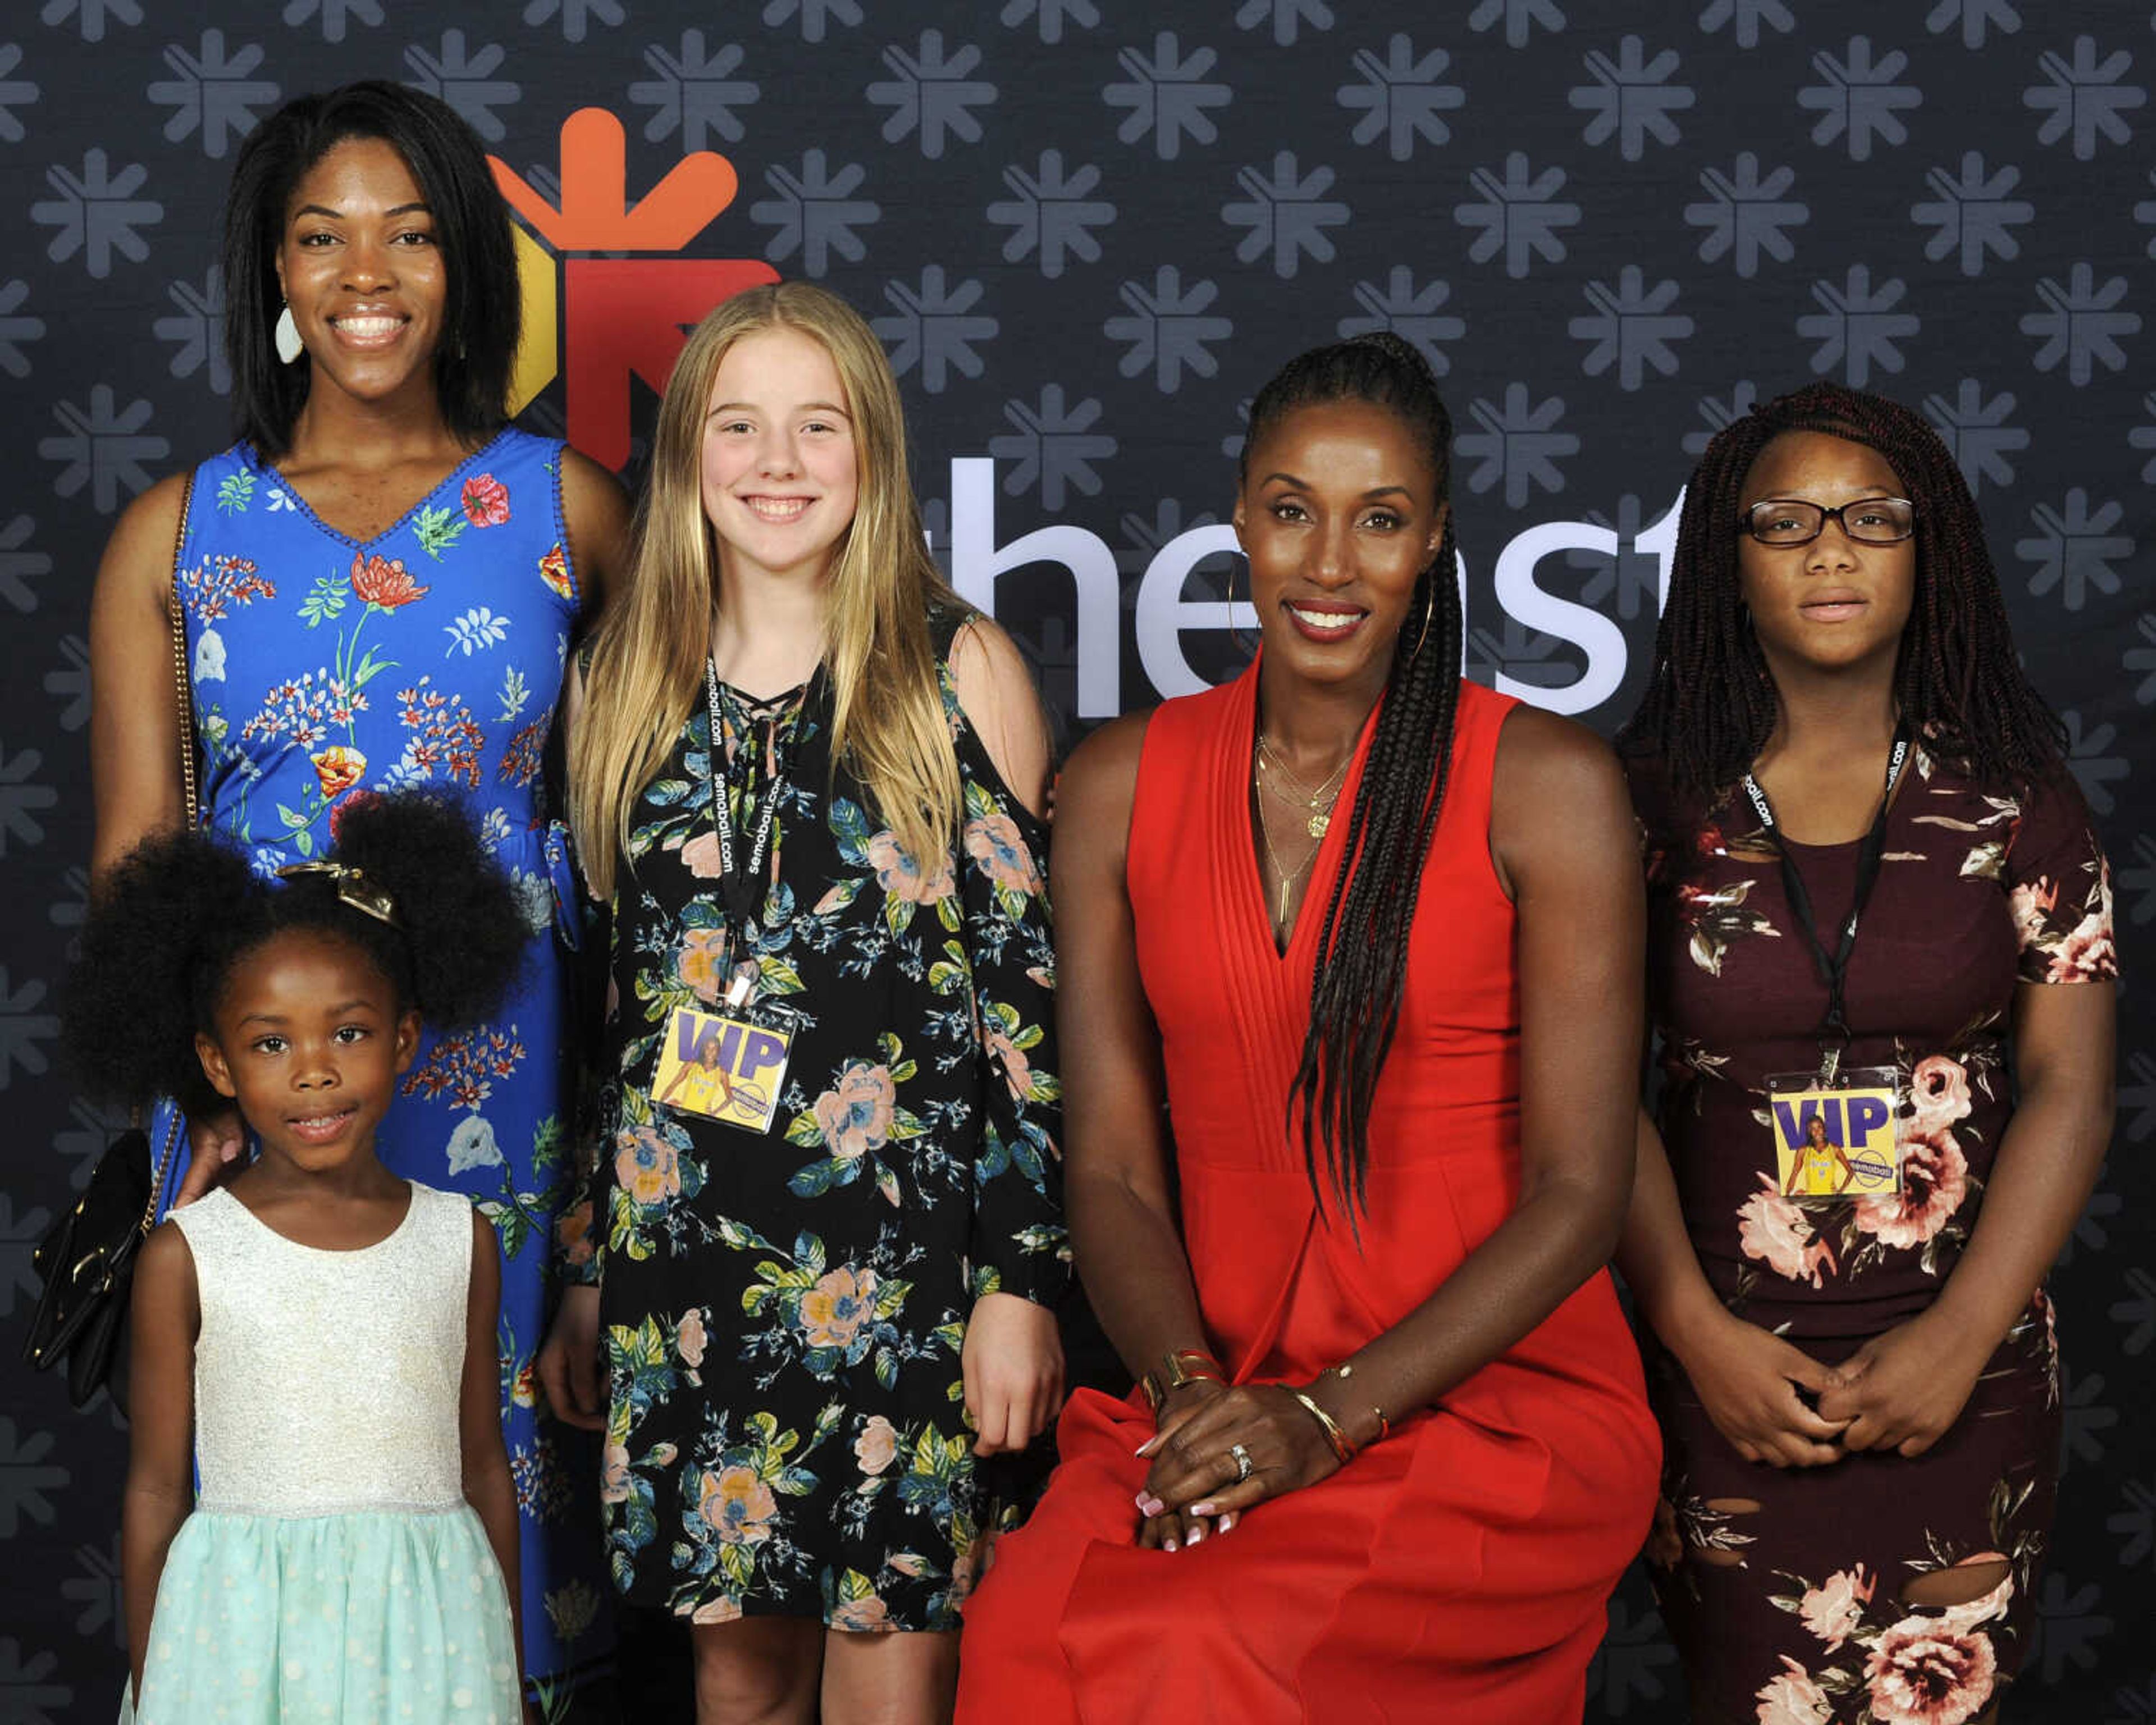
(610, 319)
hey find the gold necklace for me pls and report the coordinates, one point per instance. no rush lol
(1317, 804)
(1280, 922)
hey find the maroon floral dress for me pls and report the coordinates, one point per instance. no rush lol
(1792, 1613)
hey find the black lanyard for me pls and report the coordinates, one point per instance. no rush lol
(738, 886)
(1834, 1032)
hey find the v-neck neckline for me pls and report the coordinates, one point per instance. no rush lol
(300, 503)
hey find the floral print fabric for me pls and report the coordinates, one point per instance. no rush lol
(1784, 1589)
(323, 668)
(782, 1313)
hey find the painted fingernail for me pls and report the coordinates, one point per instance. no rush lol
(1228, 1522)
(1146, 1448)
(1204, 1509)
(1196, 1535)
(1168, 1544)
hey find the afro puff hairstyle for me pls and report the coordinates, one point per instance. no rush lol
(182, 910)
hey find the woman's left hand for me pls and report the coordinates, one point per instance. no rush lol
(1904, 1389)
(1012, 1367)
(1194, 1464)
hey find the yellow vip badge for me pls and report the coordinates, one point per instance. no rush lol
(1837, 1141)
(725, 1069)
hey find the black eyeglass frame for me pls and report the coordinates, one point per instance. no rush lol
(1747, 522)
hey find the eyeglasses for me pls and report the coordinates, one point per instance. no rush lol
(1791, 520)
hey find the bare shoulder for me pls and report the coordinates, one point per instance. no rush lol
(164, 1267)
(590, 495)
(1102, 771)
(987, 670)
(1542, 755)
(141, 548)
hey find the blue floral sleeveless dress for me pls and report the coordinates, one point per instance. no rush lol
(431, 654)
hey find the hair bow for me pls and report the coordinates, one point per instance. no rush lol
(353, 886)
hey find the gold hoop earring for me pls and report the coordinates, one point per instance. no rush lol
(1234, 631)
(1429, 610)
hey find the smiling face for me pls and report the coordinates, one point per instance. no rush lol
(308, 1039)
(362, 271)
(1837, 602)
(1338, 513)
(780, 477)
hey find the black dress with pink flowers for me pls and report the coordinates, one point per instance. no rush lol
(782, 1313)
(1791, 1613)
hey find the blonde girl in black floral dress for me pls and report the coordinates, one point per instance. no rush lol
(1858, 1391)
(805, 778)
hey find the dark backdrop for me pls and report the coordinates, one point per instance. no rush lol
(1087, 229)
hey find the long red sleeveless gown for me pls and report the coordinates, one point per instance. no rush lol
(1457, 1571)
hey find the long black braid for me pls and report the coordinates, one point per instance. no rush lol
(1710, 705)
(1362, 950)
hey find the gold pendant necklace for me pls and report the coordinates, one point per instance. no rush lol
(1317, 804)
(1287, 880)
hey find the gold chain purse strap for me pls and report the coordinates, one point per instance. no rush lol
(183, 695)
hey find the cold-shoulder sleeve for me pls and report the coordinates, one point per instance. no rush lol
(1005, 962)
(2058, 888)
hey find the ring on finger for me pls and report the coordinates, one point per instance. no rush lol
(1242, 1459)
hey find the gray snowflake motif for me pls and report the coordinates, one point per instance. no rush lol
(95, 1587)
(1519, 443)
(14, 93)
(1859, 98)
(69, 684)
(103, 448)
(91, 16)
(2084, 99)
(17, 329)
(1857, 326)
(1628, 579)
(576, 16)
(2136, 1523)
(1976, 431)
(1286, 215)
(2145, 213)
(2137, 880)
(2137, 1101)
(196, 328)
(1719, 416)
(1054, 447)
(1518, 17)
(2092, 765)
(1631, 98)
(1144, 536)
(20, 565)
(934, 327)
(1632, 1660)
(817, 16)
(1168, 94)
(1052, 214)
(335, 15)
(18, 1275)
(212, 92)
(1516, 652)
(693, 92)
(1631, 327)
(1050, 16)
(815, 213)
(1410, 311)
(23, 1027)
(23, 1689)
(2142, 661)
(96, 213)
(2089, 1229)
(1519, 215)
(1399, 97)
(2068, 1624)
(1746, 15)
(2143, 437)
(466, 82)
(1167, 326)
(1744, 215)
(932, 93)
(1975, 16)
(25, 1475)
(1973, 212)
(19, 796)
(2080, 323)
(85, 1138)
(1286, 17)
(2074, 547)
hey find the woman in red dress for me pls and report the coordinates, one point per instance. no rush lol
(1349, 957)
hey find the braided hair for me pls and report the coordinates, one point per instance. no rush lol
(1710, 703)
(177, 917)
(1362, 950)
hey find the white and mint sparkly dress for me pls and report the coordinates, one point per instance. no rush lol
(331, 1569)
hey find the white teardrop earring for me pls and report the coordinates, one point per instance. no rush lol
(289, 348)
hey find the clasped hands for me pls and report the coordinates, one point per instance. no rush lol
(1774, 1403)
(1194, 1490)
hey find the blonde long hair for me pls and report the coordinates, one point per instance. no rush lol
(647, 657)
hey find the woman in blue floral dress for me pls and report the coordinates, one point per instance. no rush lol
(378, 582)
(805, 778)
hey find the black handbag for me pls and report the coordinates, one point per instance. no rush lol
(86, 1260)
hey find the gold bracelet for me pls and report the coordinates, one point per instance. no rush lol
(1342, 1449)
(1176, 1369)
(1346, 1370)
